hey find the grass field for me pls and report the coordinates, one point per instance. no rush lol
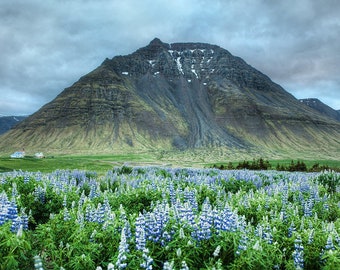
(103, 163)
(48, 164)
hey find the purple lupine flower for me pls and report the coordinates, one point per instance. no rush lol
(147, 260)
(140, 238)
(26, 179)
(88, 213)
(337, 238)
(228, 219)
(307, 207)
(81, 199)
(217, 219)
(140, 232)
(311, 237)
(127, 227)
(205, 230)
(93, 190)
(291, 229)
(65, 201)
(12, 211)
(284, 195)
(268, 236)
(2, 181)
(205, 222)
(67, 216)
(14, 190)
(4, 203)
(93, 235)
(298, 253)
(106, 205)
(152, 228)
(166, 237)
(122, 214)
(24, 220)
(39, 194)
(242, 244)
(2, 218)
(38, 263)
(99, 214)
(122, 251)
(190, 197)
(184, 213)
(16, 223)
(315, 194)
(80, 218)
(168, 266)
(329, 244)
(259, 231)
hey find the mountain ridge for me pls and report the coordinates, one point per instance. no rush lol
(177, 96)
(321, 107)
(8, 121)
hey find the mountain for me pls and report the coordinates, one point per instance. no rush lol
(321, 107)
(176, 97)
(7, 122)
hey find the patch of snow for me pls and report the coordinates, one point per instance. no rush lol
(152, 62)
(179, 65)
(171, 52)
(189, 80)
(212, 70)
(156, 73)
(204, 83)
(211, 50)
(194, 71)
(202, 50)
(125, 73)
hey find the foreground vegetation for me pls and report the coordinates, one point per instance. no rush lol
(162, 218)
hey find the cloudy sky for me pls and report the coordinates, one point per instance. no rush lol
(47, 45)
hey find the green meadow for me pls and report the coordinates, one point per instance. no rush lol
(103, 163)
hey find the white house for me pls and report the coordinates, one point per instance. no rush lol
(18, 154)
(39, 155)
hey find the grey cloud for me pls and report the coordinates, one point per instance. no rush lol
(48, 45)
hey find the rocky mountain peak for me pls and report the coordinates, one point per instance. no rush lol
(193, 61)
(157, 42)
(175, 96)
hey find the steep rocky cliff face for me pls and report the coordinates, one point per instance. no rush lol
(175, 96)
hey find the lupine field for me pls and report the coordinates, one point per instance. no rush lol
(167, 218)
